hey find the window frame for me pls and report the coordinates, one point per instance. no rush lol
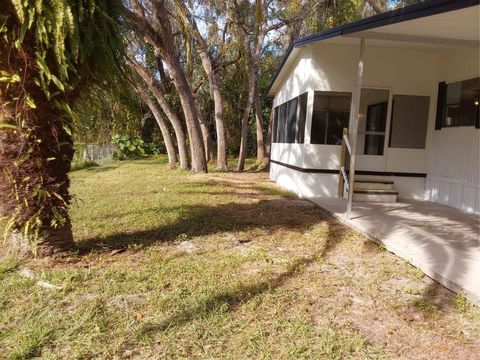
(328, 114)
(442, 105)
(288, 122)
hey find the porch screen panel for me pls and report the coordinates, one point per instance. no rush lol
(302, 116)
(282, 117)
(291, 121)
(275, 125)
(331, 112)
(409, 121)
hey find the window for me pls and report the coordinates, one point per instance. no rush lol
(375, 129)
(289, 121)
(275, 125)
(409, 122)
(331, 113)
(302, 117)
(458, 104)
(282, 110)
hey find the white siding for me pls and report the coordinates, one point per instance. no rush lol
(332, 67)
(453, 176)
(451, 158)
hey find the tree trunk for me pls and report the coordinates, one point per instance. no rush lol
(252, 80)
(207, 139)
(55, 241)
(34, 192)
(161, 38)
(268, 143)
(215, 92)
(168, 54)
(172, 116)
(219, 117)
(259, 126)
(167, 138)
(197, 149)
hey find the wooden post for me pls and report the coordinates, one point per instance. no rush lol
(354, 127)
(342, 164)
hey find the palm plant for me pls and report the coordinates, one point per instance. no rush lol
(50, 51)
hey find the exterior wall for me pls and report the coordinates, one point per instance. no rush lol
(304, 184)
(332, 67)
(453, 176)
(451, 158)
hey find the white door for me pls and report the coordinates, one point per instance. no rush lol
(373, 129)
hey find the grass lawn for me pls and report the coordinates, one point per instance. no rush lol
(223, 265)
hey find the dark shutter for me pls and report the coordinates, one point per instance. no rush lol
(442, 93)
(477, 111)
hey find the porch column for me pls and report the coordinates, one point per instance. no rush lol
(354, 110)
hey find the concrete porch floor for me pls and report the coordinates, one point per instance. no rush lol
(441, 241)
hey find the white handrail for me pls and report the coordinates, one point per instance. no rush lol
(347, 142)
(345, 178)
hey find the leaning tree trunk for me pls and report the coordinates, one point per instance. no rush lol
(35, 157)
(197, 148)
(166, 48)
(167, 138)
(215, 92)
(162, 39)
(207, 139)
(172, 116)
(268, 144)
(259, 126)
(218, 105)
(252, 60)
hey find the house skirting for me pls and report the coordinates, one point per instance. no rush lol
(308, 182)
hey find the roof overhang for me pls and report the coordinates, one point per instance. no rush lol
(438, 23)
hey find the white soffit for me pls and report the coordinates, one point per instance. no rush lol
(454, 28)
(442, 31)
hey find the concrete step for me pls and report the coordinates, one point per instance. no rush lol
(373, 181)
(373, 185)
(375, 195)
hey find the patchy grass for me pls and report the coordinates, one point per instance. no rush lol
(223, 265)
(81, 164)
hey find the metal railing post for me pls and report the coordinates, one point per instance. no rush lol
(342, 164)
(354, 126)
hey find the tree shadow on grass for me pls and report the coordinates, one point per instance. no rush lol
(101, 169)
(200, 220)
(230, 300)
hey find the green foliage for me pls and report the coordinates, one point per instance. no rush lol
(105, 111)
(128, 147)
(153, 149)
(50, 51)
(67, 34)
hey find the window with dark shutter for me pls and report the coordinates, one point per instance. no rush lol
(442, 90)
(458, 104)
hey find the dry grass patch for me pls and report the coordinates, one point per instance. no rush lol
(222, 265)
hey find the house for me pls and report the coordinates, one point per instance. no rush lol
(406, 85)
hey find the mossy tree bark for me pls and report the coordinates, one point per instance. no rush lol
(35, 157)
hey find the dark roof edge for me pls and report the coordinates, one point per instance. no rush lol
(411, 12)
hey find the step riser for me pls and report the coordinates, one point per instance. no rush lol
(372, 186)
(387, 198)
(374, 177)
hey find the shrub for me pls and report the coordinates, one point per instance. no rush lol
(154, 149)
(128, 147)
